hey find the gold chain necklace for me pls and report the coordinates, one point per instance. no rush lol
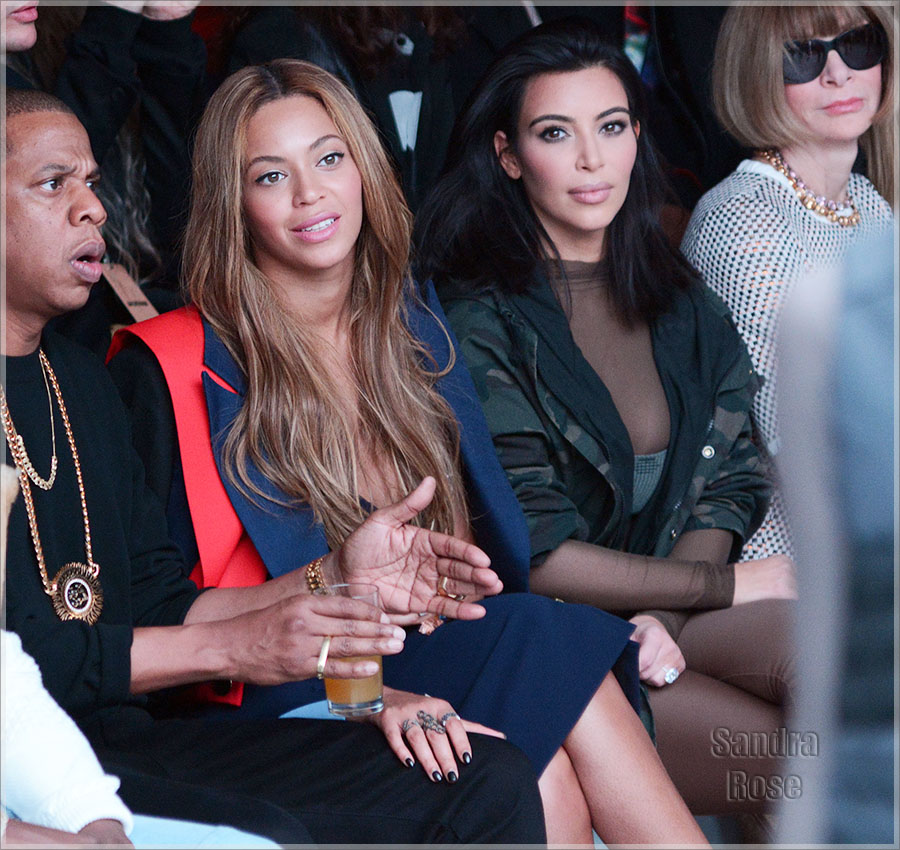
(817, 203)
(27, 465)
(75, 590)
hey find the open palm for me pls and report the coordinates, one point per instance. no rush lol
(407, 562)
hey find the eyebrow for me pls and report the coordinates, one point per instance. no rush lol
(566, 118)
(56, 168)
(279, 159)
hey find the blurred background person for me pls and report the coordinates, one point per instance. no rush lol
(839, 470)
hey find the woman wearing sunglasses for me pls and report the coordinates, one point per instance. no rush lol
(808, 89)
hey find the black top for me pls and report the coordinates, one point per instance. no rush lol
(118, 59)
(86, 668)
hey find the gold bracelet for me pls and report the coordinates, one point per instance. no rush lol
(314, 577)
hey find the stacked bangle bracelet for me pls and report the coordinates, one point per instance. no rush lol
(314, 577)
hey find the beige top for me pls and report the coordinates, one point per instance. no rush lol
(622, 356)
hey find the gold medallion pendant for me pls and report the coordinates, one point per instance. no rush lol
(77, 594)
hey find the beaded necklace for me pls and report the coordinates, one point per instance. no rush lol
(817, 203)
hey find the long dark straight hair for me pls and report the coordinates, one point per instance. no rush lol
(478, 227)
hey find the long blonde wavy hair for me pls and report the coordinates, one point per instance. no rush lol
(290, 424)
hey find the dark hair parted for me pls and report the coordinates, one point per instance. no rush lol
(478, 226)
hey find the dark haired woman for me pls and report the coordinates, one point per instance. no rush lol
(616, 389)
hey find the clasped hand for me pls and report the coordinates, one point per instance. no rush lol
(281, 643)
(658, 651)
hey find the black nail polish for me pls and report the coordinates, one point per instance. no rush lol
(409, 762)
(436, 776)
(467, 758)
(452, 777)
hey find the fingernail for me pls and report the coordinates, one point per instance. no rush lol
(399, 633)
(385, 618)
(394, 645)
(452, 777)
(467, 758)
(410, 763)
(436, 776)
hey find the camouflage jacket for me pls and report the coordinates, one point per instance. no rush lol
(564, 446)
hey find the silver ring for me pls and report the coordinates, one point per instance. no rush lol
(671, 674)
(429, 721)
(447, 716)
(323, 657)
(408, 724)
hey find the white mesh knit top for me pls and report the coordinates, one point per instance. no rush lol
(752, 240)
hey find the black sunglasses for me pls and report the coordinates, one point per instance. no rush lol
(860, 48)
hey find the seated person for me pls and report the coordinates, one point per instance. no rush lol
(616, 389)
(51, 777)
(135, 77)
(397, 60)
(99, 598)
(57, 789)
(331, 386)
(756, 234)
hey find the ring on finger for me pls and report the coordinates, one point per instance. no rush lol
(446, 717)
(670, 674)
(323, 657)
(442, 590)
(408, 724)
(429, 721)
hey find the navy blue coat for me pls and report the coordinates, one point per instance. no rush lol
(528, 668)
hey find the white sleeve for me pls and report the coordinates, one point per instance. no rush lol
(746, 251)
(50, 774)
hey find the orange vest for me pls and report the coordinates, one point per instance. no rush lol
(228, 557)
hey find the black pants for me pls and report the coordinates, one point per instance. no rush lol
(297, 781)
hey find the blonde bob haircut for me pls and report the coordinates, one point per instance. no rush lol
(748, 83)
(299, 430)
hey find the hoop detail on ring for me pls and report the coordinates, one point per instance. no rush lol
(446, 717)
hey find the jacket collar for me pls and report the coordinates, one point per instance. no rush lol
(693, 349)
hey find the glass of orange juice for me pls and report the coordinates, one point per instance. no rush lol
(355, 697)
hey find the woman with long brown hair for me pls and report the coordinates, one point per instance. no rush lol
(330, 385)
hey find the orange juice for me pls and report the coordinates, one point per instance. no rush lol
(355, 697)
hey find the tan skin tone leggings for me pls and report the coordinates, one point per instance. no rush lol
(739, 666)
(738, 677)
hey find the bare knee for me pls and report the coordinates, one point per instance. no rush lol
(566, 810)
